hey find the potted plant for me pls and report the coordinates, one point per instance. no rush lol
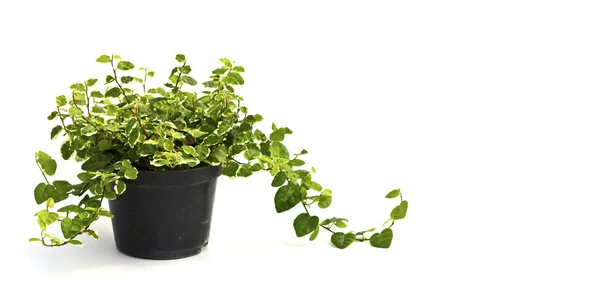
(156, 153)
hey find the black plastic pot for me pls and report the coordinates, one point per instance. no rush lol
(165, 215)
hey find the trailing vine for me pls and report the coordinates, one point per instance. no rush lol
(115, 131)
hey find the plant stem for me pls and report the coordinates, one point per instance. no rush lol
(42, 171)
(87, 97)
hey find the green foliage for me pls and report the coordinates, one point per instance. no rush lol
(122, 125)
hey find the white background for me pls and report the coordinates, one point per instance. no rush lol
(485, 113)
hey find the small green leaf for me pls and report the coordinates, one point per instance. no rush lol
(98, 109)
(50, 203)
(296, 162)
(279, 179)
(366, 231)
(393, 194)
(325, 199)
(90, 82)
(277, 135)
(74, 111)
(61, 100)
(65, 226)
(314, 235)
(109, 79)
(287, 197)
(189, 80)
(131, 173)
(341, 240)
(180, 58)
(88, 130)
(202, 151)
(226, 62)
(251, 154)
(399, 212)
(40, 193)
(190, 151)
(46, 162)
(305, 224)
(72, 208)
(65, 150)
(75, 242)
(106, 213)
(125, 65)
(383, 240)
(113, 92)
(91, 233)
(103, 59)
(77, 87)
(238, 69)
(97, 161)
(35, 240)
(278, 150)
(313, 169)
(120, 187)
(96, 94)
(239, 80)
(55, 131)
(210, 140)
(231, 169)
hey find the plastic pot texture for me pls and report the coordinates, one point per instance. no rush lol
(165, 215)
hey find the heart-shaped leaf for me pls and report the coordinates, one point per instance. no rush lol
(97, 161)
(305, 224)
(399, 212)
(341, 240)
(383, 240)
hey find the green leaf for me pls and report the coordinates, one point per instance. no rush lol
(146, 150)
(226, 62)
(305, 224)
(231, 169)
(120, 187)
(88, 130)
(279, 179)
(190, 150)
(127, 79)
(72, 208)
(399, 212)
(341, 240)
(61, 100)
(97, 161)
(239, 80)
(325, 199)
(63, 186)
(103, 59)
(74, 111)
(313, 169)
(277, 135)
(251, 154)
(52, 115)
(106, 213)
(65, 226)
(189, 80)
(393, 194)
(98, 109)
(314, 235)
(90, 82)
(50, 203)
(296, 162)
(91, 233)
(278, 150)
(35, 240)
(96, 94)
(125, 65)
(77, 87)
(113, 92)
(55, 131)
(131, 173)
(383, 240)
(238, 69)
(287, 197)
(65, 150)
(180, 58)
(40, 193)
(210, 140)
(202, 151)
(75, 242)
(185, 69)
(46, 162)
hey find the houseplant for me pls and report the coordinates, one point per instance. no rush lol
(137, 149)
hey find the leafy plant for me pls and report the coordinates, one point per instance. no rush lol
(115, 131)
